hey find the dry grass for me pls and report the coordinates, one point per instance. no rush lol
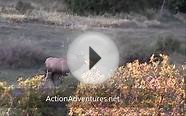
(73, 21)
(24, 54)
(57, 13)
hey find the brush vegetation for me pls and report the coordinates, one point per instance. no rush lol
(100, 7)
(152, 88)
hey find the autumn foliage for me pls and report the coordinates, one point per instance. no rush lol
(153, 88)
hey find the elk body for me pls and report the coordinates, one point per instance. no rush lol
(56, 66)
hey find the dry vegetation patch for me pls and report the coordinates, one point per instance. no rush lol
(57, 14)
(157, 87)
(153, 88)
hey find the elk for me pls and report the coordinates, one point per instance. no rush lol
(56, 66)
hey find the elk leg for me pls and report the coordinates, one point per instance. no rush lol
(46, 73)
(52, 77)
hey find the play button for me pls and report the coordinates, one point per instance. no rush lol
(92, 58)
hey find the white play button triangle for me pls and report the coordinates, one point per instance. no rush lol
(93, 58)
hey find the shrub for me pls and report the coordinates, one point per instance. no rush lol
(27, 97)
(177, 5)
(106, 6)
(143, 89)
(20, 55)
(24, 98)
(169, 45)
(150, 14)
(99, 7)
(23, 7)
